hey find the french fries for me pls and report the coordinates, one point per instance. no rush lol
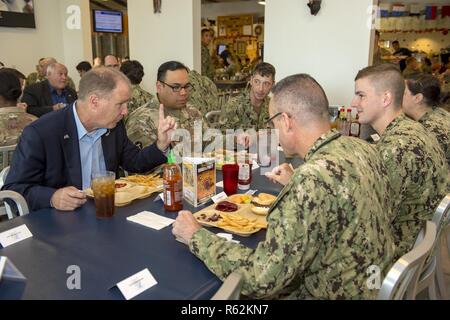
(239, 223)
(151, 180)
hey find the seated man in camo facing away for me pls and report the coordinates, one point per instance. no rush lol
(139, 97)
(329, 224)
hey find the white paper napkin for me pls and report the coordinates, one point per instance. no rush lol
(151, 220)
(227, 236)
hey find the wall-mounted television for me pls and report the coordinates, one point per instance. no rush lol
(17, 14)
(108, 21)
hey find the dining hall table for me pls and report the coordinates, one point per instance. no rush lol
(107, 251)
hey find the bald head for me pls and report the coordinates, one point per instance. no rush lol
(111, 61)
(385, 77)
(301, 97)
(101, 81)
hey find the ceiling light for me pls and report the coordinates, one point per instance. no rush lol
(262, 2)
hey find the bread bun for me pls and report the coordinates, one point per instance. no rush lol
(262, 211)
(264, 199)
(261, 203)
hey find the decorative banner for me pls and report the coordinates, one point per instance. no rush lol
(398, 10)
(416, 9)
(445, 11)
(431, 12)
(385, 9)
(414, 24)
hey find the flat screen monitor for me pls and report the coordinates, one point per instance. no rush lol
(17, 14)
(108, 21)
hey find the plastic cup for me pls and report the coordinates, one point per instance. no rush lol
(230, 174)
(103, 185)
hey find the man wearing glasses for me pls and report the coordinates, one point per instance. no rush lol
(328, 225)
(173, 90)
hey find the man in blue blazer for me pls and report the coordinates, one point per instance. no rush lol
(51, 94)
(57, 153)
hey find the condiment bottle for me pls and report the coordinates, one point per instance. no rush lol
(173, 185)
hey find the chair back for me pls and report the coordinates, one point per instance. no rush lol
(20, 201)
(432, 276)
(3, 175)
(402, 279)
(230, 289)
(5, 151)
(213, 117)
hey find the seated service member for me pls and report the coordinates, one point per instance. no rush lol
(328, 224)
(12, 118)
(415, 163)
(173, 89)
(250, 109)
(57, 153)
(134, 71)
(420, 102)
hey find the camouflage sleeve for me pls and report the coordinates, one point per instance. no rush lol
(141, 127)
(70, 83)
(292, 240)
(231, 115)
(32, 78)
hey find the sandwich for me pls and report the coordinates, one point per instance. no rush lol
(262, 203)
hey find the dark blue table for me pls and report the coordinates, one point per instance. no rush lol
(108, 251)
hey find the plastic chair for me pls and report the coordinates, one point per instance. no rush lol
(230, 289)
(432, 277)
(402, 279)
(213, 117)
(20, 201)
(5, 150)
(5, 209)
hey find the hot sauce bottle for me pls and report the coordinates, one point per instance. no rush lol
(173, 185)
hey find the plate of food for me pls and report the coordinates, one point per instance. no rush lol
(126, 192)
(122, 185)
(153, 181)
(234, 215)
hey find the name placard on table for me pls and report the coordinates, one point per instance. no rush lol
(136, 284)
(14, 235)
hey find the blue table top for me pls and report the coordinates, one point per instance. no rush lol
(109, 251)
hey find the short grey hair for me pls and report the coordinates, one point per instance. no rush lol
(52, 66)
(101, 81)
(302, 97)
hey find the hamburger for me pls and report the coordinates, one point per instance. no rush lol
(261, 203)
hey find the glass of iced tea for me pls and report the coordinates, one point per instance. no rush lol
(103, 185)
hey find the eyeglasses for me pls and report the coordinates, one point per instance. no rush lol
(177, 88)
(270, 120)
